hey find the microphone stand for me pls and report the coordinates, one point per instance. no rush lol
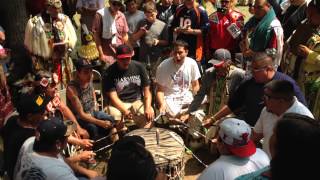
(152, 87)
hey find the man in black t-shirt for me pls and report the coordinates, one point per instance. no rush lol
(31, 109)
(127, 86)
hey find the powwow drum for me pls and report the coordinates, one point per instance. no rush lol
(166, 151)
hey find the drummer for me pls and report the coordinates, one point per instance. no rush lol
(127, 85)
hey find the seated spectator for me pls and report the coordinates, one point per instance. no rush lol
(40, 157)
(130, 160)
(278, 99)
(294, 149)
(83, 103)
(31, 109)
(247, 99)
(127, 86)
(239, 155)
(177, 81)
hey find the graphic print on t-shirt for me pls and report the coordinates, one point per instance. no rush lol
(128, 82)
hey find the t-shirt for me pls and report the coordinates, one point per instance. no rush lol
(157, 30)
(13, 137)
(185, 17)
(132, 21)
(176, 80)
(267, 121)
(257, 175)
(31, 165)
(128, 83)
(249, 97)
(228, 167)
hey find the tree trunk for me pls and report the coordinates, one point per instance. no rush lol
(14, 19)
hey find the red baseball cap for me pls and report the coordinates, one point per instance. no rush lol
(124, 51)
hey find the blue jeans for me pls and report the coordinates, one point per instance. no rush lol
(96, 131)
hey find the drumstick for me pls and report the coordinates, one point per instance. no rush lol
(182, 144)
(105, 147)
(158, 117)
(187, 126)
(105, 137)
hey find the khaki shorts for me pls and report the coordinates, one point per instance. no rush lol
(136, 108)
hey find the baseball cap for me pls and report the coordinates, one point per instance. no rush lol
(124, 51)
(84, 63)
(32, 103)
(54, 129)
(54, 3)
(220, 56)
(235, 133)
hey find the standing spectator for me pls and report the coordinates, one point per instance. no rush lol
(279, 99)
(47, 38)
(225, 27)
(267, 34)
(190, 24)
(110, 30)
(153, 36)
(31, 109)
(177, 81)
(133, 16)
(87, 9)
(292, 17)
(166, 10)
(82, 101)
(127, 86)
(248, 98)
(294, 150)
(239, 155)
(309, 70)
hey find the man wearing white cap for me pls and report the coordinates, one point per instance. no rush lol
(239, 154)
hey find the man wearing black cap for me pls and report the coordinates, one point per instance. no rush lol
(82, 100)
(31, 109)
(40, 157)
(127, 85)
